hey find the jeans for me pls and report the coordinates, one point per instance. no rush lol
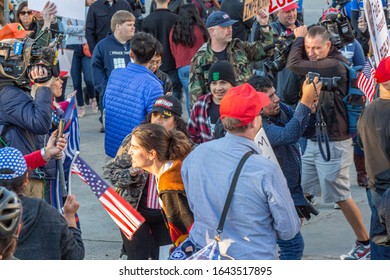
(291, 249)
(378, 252)
(81, 64)
(184, 74)
(177, 87)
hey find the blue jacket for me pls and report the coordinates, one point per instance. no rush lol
(129, 97)
(283, 132)
(108, 55)
(25, 122)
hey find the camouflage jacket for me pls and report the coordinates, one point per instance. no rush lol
(240, 54)
(117, 171)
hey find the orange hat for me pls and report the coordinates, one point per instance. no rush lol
(243, 103)
(12, 31)
(293, 5)
(382, 72)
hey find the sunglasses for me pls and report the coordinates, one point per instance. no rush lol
(23, 13)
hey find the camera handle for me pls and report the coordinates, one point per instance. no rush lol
(322, 133)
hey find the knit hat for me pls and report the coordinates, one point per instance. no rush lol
(382, 72)
(11, 158)
(219, 18)
(167, 105)
(222, 70)
(243, 103)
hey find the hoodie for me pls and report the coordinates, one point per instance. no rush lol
(108, 55)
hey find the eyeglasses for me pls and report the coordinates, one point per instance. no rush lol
(157, 63)
(23, 13)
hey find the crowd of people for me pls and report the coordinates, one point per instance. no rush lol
(270, 74)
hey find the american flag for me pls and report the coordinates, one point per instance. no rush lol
(365, 81)
(123, 214)
(71, 129)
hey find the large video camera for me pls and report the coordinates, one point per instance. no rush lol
(282, 49)
(338, 26)
(17, 59)
(328, 84)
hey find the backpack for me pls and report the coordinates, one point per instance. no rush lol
(355, 100)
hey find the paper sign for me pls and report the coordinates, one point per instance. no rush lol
(65, 58)
(74, 9)
(264, 145)
(376, 22)
(252, 6)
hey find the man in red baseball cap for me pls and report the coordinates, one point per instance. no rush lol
(207, 173)
(374, 131)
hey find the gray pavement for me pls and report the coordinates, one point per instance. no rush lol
(327, 236)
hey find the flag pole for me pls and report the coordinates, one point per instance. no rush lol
(70, 172)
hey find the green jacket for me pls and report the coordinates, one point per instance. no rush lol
(240, 54)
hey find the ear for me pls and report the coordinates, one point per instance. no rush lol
(152, 155)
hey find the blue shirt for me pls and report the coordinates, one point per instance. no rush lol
(261, 211)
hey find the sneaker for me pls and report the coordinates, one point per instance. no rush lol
(81, 111)
(358, 252)
(336, 206)
(94, 106)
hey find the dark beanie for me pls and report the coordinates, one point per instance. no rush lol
(222, 70)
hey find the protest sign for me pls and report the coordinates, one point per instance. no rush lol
(252, 6)
(74, 9)
(376, 22)
(264, 145)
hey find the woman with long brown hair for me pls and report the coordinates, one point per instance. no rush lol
(161, 153)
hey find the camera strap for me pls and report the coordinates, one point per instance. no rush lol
(322, 134)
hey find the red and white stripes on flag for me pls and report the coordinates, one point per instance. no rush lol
(365, 80)
(152, 198)
(123, 214)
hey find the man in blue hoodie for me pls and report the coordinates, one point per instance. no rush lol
(112, 52)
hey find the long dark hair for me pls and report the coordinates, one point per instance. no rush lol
(183, 29)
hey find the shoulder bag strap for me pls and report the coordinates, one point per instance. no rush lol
(231, 192)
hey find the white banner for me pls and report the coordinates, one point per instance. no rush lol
(377, 27)
(263, 143)
(74, 9)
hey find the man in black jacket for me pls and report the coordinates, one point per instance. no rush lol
(159, 23)
(312, 51)
(99, 19)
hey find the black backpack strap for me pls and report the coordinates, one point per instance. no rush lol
(231, 192)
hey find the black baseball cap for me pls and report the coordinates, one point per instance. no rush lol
(168, 105)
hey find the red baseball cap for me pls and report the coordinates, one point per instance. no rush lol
(243, 103)
(293, 5)
(382, 72)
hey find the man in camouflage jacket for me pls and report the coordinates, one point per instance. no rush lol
(221, 46)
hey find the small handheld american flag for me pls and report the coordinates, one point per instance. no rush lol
(366, 82)
(124, 215)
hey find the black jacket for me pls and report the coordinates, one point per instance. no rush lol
(159, 24)
(235, 9)
(45, 234)
(331, 102)
(98, 23)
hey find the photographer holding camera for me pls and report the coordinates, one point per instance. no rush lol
(23, 120)
(312, 51)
